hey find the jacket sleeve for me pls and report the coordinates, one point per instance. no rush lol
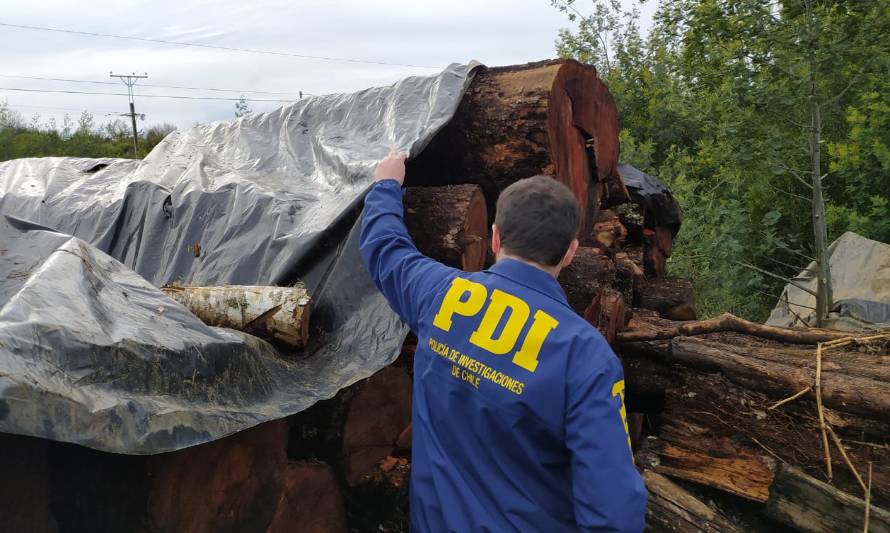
(608, 491)
(407, 278)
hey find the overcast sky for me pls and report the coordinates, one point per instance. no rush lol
(421, 33)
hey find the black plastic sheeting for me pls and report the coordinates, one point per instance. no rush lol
(659, 206)
(92, 353)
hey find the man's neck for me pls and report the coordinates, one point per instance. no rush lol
(552, 270)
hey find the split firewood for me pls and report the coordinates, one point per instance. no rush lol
(640, 331)
(551, 117)
(672, 298)
(449, 224)
(672, 508)
(275, 313)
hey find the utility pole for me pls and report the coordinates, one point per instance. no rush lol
(130, 80)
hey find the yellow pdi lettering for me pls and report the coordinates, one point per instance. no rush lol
(483, 337)
(464, 298)
(618, 390)
(527, 356)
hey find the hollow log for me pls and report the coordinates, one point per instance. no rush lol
(551, 117)
(590, 272)
(807, 504)
(449, 224)
(672, 508)
(276, 313)
(672, 298)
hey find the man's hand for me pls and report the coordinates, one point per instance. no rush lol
(392, 167)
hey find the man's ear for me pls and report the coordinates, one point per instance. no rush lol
(495, 240)
(570, 254)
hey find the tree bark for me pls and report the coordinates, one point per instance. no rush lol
(275, 313)
(449, 224)
(551, 117)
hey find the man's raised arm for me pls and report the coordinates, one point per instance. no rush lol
(407, 278)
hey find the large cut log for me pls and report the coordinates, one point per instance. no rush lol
(672, 298)
(590, 272)
(672, 509)
(852, 381)
(229, 485)
(552, 117)
(377, 415)
(276, 313)
(310, 501)
(807, 504)
(449, 224)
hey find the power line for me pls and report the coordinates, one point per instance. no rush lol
(216, 47)
(98, 82)
(172, 96)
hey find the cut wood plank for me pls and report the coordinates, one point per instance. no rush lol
(449, 224)
(275, 313)
(551, 117)
(671, 508)
(807, 504)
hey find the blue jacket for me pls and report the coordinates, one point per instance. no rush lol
(518, 419)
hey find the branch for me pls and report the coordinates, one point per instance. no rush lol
(781, 278)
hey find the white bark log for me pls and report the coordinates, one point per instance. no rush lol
(279, 313)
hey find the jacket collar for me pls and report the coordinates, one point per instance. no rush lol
(529, 276)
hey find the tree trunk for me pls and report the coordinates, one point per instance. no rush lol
(551, 117)
(275, 313)
(449, 224)
(672, 509)
(672, 298)
(807, 504)
(589, 273)
(723, 434)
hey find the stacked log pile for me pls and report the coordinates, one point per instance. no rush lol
(736, 426)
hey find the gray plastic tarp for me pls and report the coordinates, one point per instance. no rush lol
(860, 279)
(91, 352)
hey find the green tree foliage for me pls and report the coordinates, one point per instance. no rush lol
(714, 101)
(242, 108)
(81, 139)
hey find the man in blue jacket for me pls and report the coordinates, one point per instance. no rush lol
(518, 417)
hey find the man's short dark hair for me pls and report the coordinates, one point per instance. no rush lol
(537, 218)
